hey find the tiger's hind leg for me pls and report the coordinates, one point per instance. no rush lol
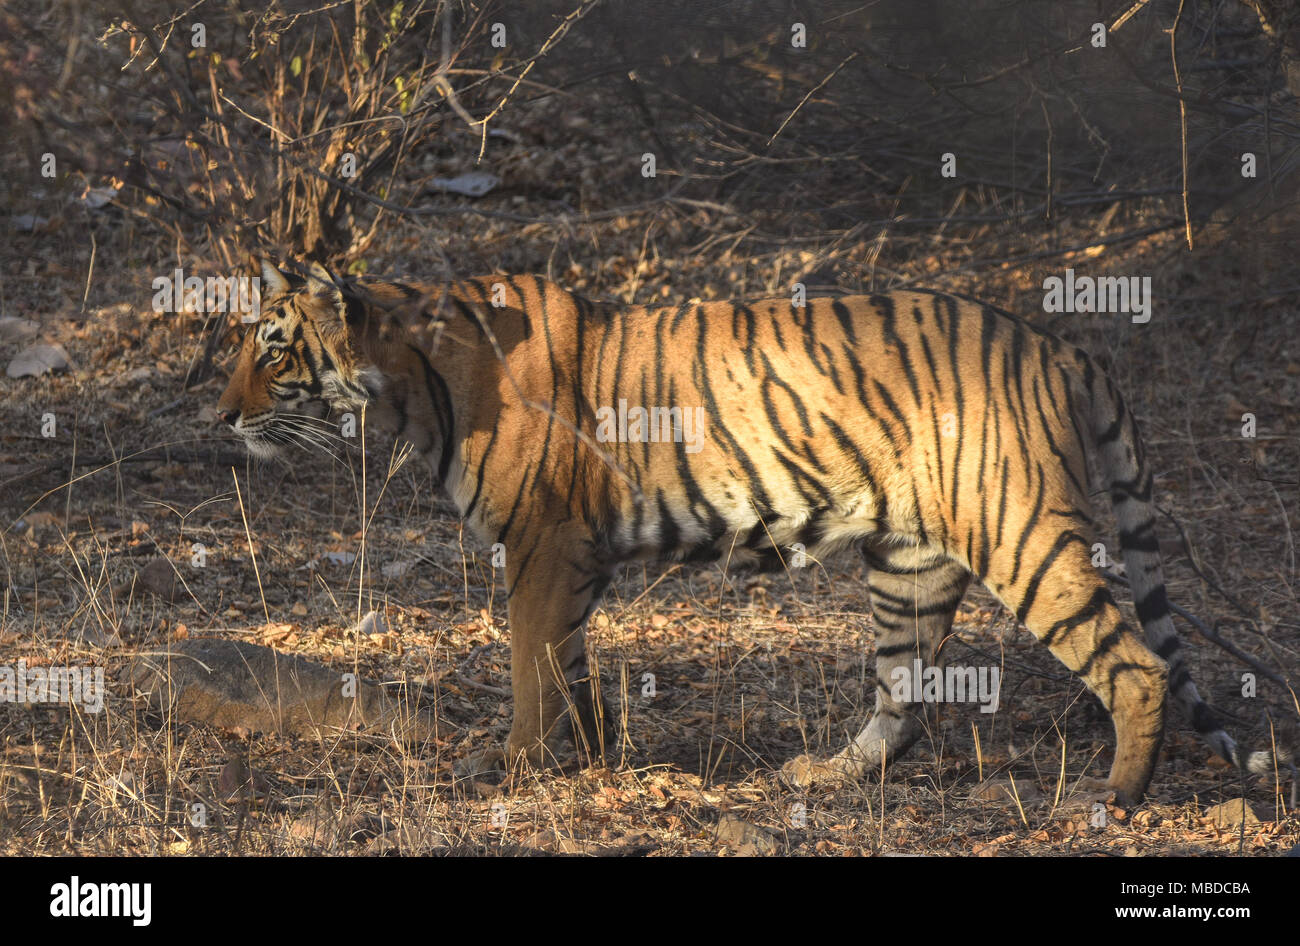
(914, 596)
(1065, 603)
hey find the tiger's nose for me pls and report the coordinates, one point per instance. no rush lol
(229, 416)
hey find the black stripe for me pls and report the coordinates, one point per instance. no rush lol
(1204, 719)
(700, 377)
(670, 535)
(1100, 598)
(886, 306)
(846, 320)
(1142, 538)
(912, 609)
(1169, 647)
(1031, 590)
(478, 476)
(884, 651)
(1028, 528)
(1153, 606)
(1048, 434)
(961, 403)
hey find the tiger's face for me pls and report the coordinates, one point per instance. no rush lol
(295, 364)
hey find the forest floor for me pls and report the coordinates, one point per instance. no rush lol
(748, 670)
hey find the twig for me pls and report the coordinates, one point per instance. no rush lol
(475, 685)
(1196, 567)
(1213, 636)
(1182, 115)
(1128, 15)
(573, 17)
(158, 411)
(811, 92)
(252, 553)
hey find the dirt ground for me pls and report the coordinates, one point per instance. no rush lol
(748, 670)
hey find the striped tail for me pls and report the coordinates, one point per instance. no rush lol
(1127, 477)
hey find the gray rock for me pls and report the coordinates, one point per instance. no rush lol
(37, 360)
(159, 578)
(245, 687)
(13, 328)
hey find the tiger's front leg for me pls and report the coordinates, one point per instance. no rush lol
(551, 586)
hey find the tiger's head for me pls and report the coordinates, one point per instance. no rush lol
(295, 364)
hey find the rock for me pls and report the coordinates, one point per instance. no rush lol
(743, 838)
(471, 183)
(159, 578)
(548, 841)
(1230, 814)
(314, 828)
(384, 845)
(245, 687)
(27, 223)
(363, 827)
(409, 839)
(1085, 795)
(372, 623)
(91, 636)
(394, 570)
(1001, 791)
(16, 329)
(238, 782)
(38, 360)
(324, 829)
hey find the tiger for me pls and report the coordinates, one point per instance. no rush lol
(945, 438)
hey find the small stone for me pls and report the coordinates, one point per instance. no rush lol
(743, 838)
(239, 782)
(38, 360)
(1002, 792)
(1230, 814)
(14, 329)
(159, 578)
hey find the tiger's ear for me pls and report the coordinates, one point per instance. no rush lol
(322, 285)
(273, 281)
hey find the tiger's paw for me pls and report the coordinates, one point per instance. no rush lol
(806, 772)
